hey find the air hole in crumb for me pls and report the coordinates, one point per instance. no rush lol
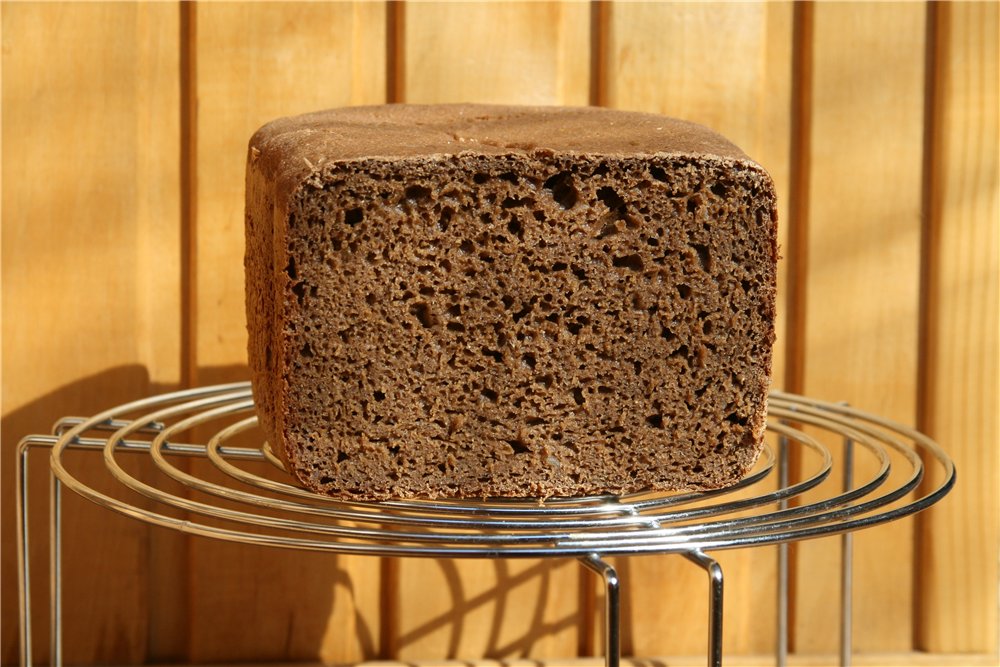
(290, 269)
(507, 300)
(637, 367)
(683, 290)
(480, 178)
(656, 421)
(378, 395)
(467, 246)
(602, 389)
(703, 257)
(719, 189)
(631, 262)
(682, 352)
(353, 216)
(299, 290)
(562, 189)
(490, 395)
(559, 266)
(497, 356)
(341, 457)
(545, 380)
(528, 360)
(423, 313)
(515, 228)
(658, 173)
(417, 192)
(455, 326)
(307, 350)
(734, 418)
(574, 327)
(601, 169)
(518, 447)
(445, 220)
(692, 204)
(746, 285)
(612, 200)
(324, 480)
(393, 450)
(578, 396)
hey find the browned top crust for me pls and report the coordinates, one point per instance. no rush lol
(294, 147)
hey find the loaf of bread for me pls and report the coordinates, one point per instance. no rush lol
(474, 301)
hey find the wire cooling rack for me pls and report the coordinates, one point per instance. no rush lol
(252, 501)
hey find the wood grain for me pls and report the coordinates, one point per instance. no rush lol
(725, 66)
(862, 286)
(512, 52)
(90, 260)
(256, 62)
(958, 540)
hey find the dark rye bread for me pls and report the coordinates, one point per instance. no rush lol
(472, 301)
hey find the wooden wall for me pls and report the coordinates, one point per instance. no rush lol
(124, 133)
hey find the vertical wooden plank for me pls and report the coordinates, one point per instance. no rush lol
(90, 293)
(510, 53)
(958, 540)
(255, 62)
(862, 287)
(726, 66)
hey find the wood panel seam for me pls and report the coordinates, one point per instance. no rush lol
(927, 340)
(796, 255)
(189, 192)
(600, 17)
(395, 52)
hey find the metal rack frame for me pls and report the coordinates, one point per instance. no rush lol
(588, 529)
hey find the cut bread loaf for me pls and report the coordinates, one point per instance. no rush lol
(474, 301)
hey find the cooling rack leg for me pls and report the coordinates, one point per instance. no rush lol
(55, 571)
(612, 608)
(781, 648)
(23, 564)
(714, 570)
(847, 566)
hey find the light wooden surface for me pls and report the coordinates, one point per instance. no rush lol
(961, 385)
(90, 142)
(124, 138)
(862, 289)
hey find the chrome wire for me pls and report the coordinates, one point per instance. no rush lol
(259, 510)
